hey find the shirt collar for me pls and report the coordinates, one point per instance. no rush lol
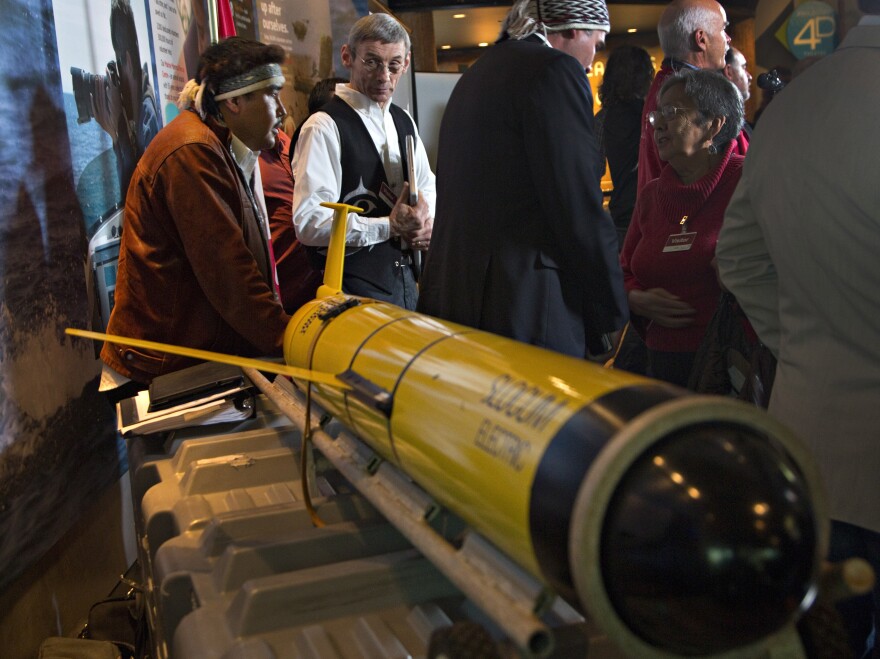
(245, 158)
(677, 64)
(359, 101)
(541, 37)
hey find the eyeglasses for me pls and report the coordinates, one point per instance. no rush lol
(666, 113)
(372, 65)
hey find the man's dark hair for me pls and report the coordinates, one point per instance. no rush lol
(322, 92)
(628, 76)
(123, 33)
(730, 56)
(869, 6)
(232, 57)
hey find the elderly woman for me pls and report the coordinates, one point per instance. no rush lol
(669, 248)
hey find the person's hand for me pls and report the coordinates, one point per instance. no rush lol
(107, 104)
(412, 223)
(422, 239)
(661, 307)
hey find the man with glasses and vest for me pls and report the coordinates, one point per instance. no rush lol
(353, 151)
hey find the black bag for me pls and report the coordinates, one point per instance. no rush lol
(731, 361)
(121, 618)
(762, 373)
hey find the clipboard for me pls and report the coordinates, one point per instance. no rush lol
(411, 171)
(413, 196)
(193, 383)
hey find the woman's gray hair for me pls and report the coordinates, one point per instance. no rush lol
(676, 30)
(715, 96)
(383, 28)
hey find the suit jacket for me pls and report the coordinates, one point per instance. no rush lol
(521, 245)
(621, 131)
(193, 262)
(799, 249)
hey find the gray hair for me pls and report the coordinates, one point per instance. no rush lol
(677, 25)
(383, 28)
(715, 96)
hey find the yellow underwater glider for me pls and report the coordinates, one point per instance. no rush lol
(686, 525)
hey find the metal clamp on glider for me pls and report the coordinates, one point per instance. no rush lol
(368, 392)
(331, 311)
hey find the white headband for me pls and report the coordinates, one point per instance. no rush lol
(277, 81)
(260, 77)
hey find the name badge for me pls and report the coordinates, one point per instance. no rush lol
(680, 242)
(387, 195)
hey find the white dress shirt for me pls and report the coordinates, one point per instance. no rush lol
(317, 172)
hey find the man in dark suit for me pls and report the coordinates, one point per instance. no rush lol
(521, 245)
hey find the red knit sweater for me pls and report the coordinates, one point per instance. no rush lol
(687, 274)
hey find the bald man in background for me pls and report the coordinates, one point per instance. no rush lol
(693, 35)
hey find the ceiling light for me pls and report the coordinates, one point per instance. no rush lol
(445, 47)
(483, 44)
(632, 29)
(458, 15)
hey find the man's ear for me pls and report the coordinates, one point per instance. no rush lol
(230, 105)
(699, 42)
(347, 56)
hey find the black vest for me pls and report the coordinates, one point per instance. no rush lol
(362, 177)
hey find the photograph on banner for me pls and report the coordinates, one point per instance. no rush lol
(112, 112)
(303, 30)
(243, 16)
(58, 449)
(344, 14)
(180, 32)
